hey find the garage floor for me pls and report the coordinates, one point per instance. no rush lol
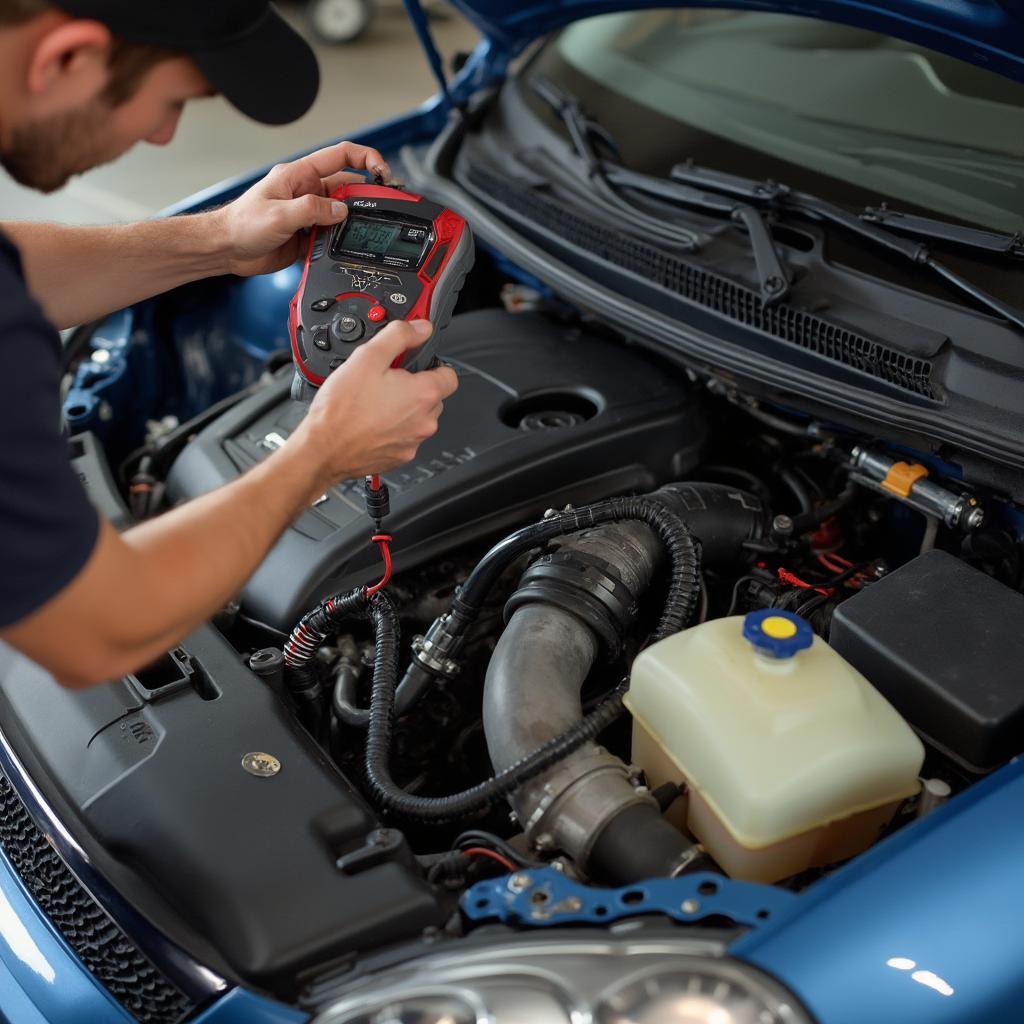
(382, 74)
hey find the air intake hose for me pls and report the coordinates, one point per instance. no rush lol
(570, 605)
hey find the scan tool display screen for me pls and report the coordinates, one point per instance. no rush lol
(382, 241)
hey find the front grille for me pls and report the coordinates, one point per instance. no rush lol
(109, 955)
(712, 291)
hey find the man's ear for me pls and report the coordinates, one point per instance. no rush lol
(70, 60)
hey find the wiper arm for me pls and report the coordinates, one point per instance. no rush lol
(782, 197)
(772, 276)
(999, 242)
(581, 128)
(584, 132)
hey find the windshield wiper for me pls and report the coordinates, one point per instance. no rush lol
(783, 198)
(999, 242)
(608, 177)
(584, 134)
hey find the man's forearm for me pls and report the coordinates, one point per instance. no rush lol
(79, 274)
(162, 579)
(211, 545)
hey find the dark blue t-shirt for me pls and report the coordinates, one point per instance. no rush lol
(48, 528)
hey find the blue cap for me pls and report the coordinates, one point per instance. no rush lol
(777, 634)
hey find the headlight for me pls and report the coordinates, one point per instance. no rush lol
(546, 980)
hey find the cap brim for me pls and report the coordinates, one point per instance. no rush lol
(269, 73)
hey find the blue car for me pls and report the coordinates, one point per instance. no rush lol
(696, 695)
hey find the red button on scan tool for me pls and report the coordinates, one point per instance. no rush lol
(376, 314)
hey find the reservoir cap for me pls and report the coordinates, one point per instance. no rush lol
(777, 634)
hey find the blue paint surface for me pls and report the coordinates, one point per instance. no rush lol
(242, 1007)
(925, 928)
(41, 979)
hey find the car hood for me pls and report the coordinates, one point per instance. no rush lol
(989, 33)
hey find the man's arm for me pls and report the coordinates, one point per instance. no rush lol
(142, 591)
(79, 274)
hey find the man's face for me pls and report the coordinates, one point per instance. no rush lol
(45, 152)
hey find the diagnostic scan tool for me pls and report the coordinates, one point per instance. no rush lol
(397, 256)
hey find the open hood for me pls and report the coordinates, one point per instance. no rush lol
(989, 33)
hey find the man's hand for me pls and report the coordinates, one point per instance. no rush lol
(369, 417)
(264, 229)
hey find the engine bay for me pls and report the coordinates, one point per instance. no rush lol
(642, 625)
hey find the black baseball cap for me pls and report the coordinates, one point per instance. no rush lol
(261, 65)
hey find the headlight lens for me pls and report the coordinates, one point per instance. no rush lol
(549, 980)
(720, 993)
(421, 1010)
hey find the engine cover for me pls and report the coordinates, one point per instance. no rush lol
(544, 414)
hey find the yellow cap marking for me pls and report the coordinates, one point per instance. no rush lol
(778, 628)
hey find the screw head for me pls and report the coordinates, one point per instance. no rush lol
(782, 525)
(690, 906)
(974, 518)
(263, 766)
(519, 882)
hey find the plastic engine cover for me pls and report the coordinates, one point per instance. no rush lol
(544, 415)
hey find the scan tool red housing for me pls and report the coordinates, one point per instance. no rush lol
(397, 256)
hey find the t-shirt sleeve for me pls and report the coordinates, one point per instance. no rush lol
(48, 528)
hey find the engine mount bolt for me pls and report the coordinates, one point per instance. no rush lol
(519, 882)
(690, 906)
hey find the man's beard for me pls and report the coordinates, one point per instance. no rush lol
(44, 154)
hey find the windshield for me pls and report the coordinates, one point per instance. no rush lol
(792, 98)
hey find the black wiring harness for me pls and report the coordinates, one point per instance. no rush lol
(314, 628)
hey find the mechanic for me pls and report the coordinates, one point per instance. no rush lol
(81, 81)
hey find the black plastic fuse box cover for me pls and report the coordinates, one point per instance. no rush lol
(944, 643)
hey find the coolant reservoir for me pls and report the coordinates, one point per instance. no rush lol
(792, 759)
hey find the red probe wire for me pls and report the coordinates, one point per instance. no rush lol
(382, 540)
